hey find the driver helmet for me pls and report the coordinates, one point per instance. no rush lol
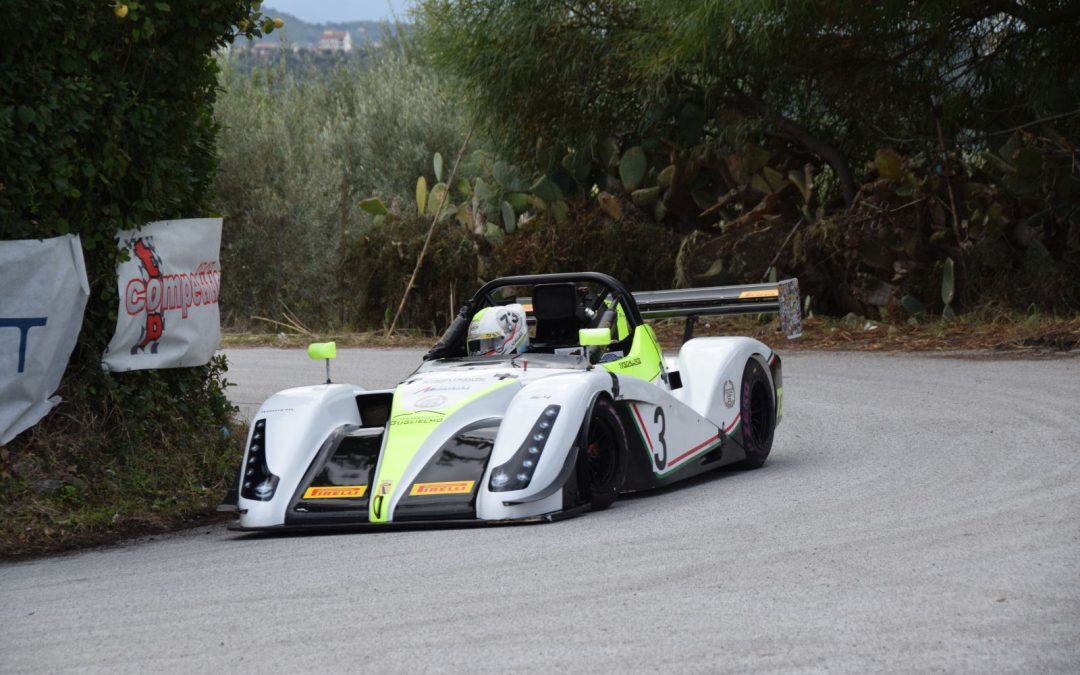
(498, 330)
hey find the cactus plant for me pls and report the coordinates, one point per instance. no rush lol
(912, 305)
(645, 196)
(607, 152)
(421, 195)
(464, 188)
(374, 206)
(509, 221)
(483, 190)
(546, 189)
(632, 168)
(518, 200)
(561, 211)
(666, 176)
(436, 199)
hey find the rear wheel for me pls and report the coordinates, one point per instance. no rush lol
(757, 409)
(602, 461)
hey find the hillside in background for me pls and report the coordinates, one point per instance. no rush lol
(299, 32)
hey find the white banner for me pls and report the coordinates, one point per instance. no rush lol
(168, 314)
(41, 310)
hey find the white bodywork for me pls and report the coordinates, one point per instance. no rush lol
(298, 421)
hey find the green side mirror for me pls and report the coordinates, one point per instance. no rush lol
(322, 350)
(594, 337)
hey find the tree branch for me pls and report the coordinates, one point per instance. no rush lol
(797, 133)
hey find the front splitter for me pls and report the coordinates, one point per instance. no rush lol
(410, 524)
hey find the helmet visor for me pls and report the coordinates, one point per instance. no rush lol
(485, 346)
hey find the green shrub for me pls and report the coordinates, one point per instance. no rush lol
(106, 124)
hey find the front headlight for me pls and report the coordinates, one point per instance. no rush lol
(517, 473)
(258, 483)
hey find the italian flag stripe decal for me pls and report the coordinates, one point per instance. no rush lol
(641, 425)
(710, 442)
(699, 449)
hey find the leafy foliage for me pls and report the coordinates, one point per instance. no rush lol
(750, 117)
(379, 263)
(300, 150)
(106, 124)
(898, 245)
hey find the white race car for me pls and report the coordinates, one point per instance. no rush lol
(589, 409)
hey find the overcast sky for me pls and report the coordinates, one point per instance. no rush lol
(323, 11)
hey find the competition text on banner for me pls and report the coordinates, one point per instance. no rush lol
(168, 315)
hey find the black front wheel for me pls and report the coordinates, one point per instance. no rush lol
(757, 408)
(602, 460)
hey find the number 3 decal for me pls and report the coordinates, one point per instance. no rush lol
(661, 460)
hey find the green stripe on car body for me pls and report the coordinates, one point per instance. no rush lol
(406, 432)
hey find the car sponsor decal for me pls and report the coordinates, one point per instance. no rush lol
(644, 359)
(431, 401)
(450, 487)
(418, 417)
(729, 394)
(335, 492)
(761, 293)
(381, 493)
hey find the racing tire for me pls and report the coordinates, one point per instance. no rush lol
(602, 461)
(757, 409)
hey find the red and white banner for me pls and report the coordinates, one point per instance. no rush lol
(168, 311)
(41, 311)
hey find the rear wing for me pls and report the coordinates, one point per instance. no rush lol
(781, 298)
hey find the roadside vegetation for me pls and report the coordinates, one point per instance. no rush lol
(300, 146)
(106, 123)
(901, 160)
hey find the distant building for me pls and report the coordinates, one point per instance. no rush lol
(264, 49)
(335, 41)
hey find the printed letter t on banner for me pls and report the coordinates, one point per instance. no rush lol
(41, 312)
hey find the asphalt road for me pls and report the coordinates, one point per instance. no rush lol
(917, 514)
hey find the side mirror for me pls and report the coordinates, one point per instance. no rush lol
(323, 350)
(594, 337)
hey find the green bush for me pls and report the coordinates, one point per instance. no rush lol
(106, 123)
